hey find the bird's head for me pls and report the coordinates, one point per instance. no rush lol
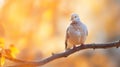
(75, 18)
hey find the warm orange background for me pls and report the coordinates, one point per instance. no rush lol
(37, 28)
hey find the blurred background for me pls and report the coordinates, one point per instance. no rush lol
(37, 28)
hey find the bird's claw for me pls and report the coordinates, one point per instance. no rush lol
(67, 49)
(53, 53)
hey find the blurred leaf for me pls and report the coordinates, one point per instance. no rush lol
(1, 43)
(2, 60)
(14, 51)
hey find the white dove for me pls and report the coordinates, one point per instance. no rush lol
(76, 32)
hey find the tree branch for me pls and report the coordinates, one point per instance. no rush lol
(64, 54)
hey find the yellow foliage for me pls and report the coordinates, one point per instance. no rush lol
(14, 51)
(2, 60)
(1, 43)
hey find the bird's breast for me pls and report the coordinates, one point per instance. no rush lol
(77, 33)
(74, 33)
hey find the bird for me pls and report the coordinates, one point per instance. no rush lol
(76, 32)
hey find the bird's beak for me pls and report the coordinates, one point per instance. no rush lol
(71, 19)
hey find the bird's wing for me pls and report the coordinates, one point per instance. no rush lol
(85, 29)
(67, 36)
(87, 32)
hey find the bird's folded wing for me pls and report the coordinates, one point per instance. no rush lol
(66, 39)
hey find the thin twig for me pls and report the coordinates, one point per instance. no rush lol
(65, 54)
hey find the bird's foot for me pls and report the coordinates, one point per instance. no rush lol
(66, 49)
(81, 44)
(74, 47)
(53, 53)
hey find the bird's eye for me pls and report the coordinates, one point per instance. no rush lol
(75, 16)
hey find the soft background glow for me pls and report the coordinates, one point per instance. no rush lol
(37, 28)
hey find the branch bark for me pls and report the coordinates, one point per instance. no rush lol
(64, 54)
